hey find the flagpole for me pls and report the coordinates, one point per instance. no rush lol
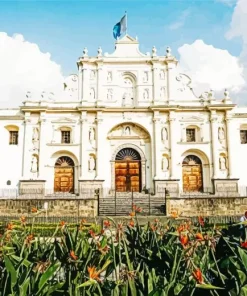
(126, 22)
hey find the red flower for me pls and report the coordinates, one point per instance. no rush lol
(201, 221)
(184, 239)
(244, 245)
(73, 255)
(197, 274)
(92, 233)
(107, 224)
(199, 236)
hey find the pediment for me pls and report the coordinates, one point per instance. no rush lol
(128, 130)
(192, 119)
(64, 120)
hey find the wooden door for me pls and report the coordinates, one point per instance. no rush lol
(64, 179)
(127, 176)
(192, 178)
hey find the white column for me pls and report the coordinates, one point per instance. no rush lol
(85, 84)
(27, 150)
(230, 146)
(155, 83)
(172, 142)
(100, 140)
(156, 147)
(214, 139)
(99, 83)
(42, 148)
(83, 147)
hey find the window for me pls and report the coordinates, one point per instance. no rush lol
(243, 136)
(190, 135)
(13, 138)
(65, 137)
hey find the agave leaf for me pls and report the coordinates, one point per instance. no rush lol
(11, 269)
(24, 287)
(208, 287)
(243, 256)
(50, 272)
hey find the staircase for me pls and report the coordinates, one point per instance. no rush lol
(121, 205)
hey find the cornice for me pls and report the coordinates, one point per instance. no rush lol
(11, 117)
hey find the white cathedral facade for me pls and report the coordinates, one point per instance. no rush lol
(127, 121)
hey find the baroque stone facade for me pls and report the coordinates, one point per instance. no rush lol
(127, 121)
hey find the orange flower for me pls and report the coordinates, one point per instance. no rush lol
(23, 220)
(180, 228)
(10, 226)
(184, 239)
(29, 238)
(92, 233)
(201, 221)
(93, 273)
(197, 274)
(244, 245)
(102, 231)
(199, 236)
(107, 224)
(73, 255)
(83, 221)
(174, 214)
(132, 214)
(131, 223)
(137, 209)
(62, 223)
(104, 250)
(34, 210)
(153, 228)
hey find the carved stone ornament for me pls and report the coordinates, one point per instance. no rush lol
(221, 134)
(162, 74)
(184, 82)
(91, 163)
(109, 76)
(92, 74)
(34, 164)
(91, 134)
(92, 94)
(128, 130)
(165, 164)
(222, 161)
(109, 94)
(145, 76)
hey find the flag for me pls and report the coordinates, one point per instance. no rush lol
(120, 27)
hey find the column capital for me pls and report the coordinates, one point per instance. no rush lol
(99, 120)
(156, 120)
(83, 120)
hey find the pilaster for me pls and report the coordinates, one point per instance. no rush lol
(83, 152)
(42, 147)
(27, 146)
(214, 139)
(156, 147)
(100, 140)
(172, 144)
(230, 146)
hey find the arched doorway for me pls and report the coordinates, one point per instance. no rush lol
(128, 170)
(192, 174)
(64, 175)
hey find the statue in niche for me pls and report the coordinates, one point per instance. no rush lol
(92, 94)
(127, 131)
(222, 163)
(91, 134)
(221, 134)
(145, 77)
(109, 94)
(162, 92)
(145, 94)
(35, 137)
(165, 164)
(34, 164)
(109, 76)
(164, 136)
(162, 74)
(92, 74)
(91, 163)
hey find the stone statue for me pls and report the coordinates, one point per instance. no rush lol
(162, 74)
(91, 134)
(91, 163)
(109, 94)
(35, 137)
(109, 77)
(127, 130)
(164, 134)
(165, 164)
(99, 52)
(92, 74)
(145, 77)
(222, 163)
(92, 94)
(34, 165)
(221, 134)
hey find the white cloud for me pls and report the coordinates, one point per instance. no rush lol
(24, 67)
(211, 68)
(238, 28)
(180, 21)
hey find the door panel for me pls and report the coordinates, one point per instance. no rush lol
(63, 180)
(192, 178)
(127, 176)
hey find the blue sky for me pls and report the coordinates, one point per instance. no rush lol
(64, 28)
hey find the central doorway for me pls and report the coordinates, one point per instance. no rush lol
(128, 171)
(64, 175)
(192, 174)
